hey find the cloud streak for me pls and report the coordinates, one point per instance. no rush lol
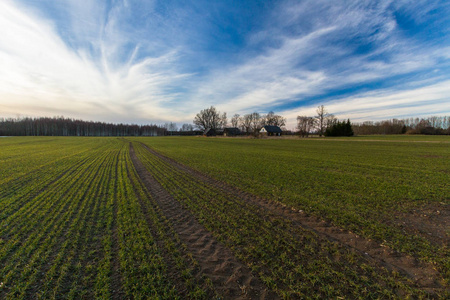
(42, 75)
(153, 61)
(385, 104)
(326, 58)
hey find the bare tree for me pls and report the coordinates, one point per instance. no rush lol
(434, 121)
(223, 120)
(272, 119)
(187, 127)
(235, 120)
(255, 122)
(209, 118)
(321, 117)
(247, 122)
(173, 126)
(330, 120)
(170, 126)
(305, 125)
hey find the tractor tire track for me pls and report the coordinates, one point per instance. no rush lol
(171, 265)
(231, 278)
(422, 273)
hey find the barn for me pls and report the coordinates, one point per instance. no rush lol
(210, 132)
(231, 131)
(271, 130)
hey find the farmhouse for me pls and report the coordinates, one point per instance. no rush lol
(231, 131)
(271, 130)
(209, 132)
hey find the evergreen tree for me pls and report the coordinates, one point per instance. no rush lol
(339, 128)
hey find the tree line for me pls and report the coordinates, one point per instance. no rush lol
(60, 126)
(326, 124)
(322, 124)
(434, 125)
(211, 118)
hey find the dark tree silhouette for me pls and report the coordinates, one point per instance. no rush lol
(60, 126)
(210, 118)
(339, 128)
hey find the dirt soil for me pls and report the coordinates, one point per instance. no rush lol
(424, 274)
(431, 222)
(231, 278)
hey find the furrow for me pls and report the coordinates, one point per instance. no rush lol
(424, 274)
(183, 269)
(37, 182)
(234, 220)
(82, 232)
(216, 261)
(54, 226)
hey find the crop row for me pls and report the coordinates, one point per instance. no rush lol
(42, 230)
(21, 156)
(191, 284)
(85, 227)
(291, 260)
(369, 188)
(38, 167)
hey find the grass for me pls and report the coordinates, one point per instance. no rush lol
(72, 224)
(363, 186)
(76, 221)
(291, 261)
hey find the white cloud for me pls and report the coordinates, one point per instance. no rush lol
(265, 79)
(95, 66)
(384, 104)
(42, 76)
(316, 61)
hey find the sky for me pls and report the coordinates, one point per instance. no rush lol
(144, 61)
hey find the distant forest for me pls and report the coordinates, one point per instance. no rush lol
(60, 126)
(435, 125)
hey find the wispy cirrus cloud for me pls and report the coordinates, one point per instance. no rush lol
(43, 74)
(385, 104)
(157, 61)
(328, 48)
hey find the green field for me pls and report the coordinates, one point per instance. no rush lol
(203, 218)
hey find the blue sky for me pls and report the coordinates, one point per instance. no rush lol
(156, 61)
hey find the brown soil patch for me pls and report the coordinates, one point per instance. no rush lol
(431, 222)
(424, 274)
(231, 278)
